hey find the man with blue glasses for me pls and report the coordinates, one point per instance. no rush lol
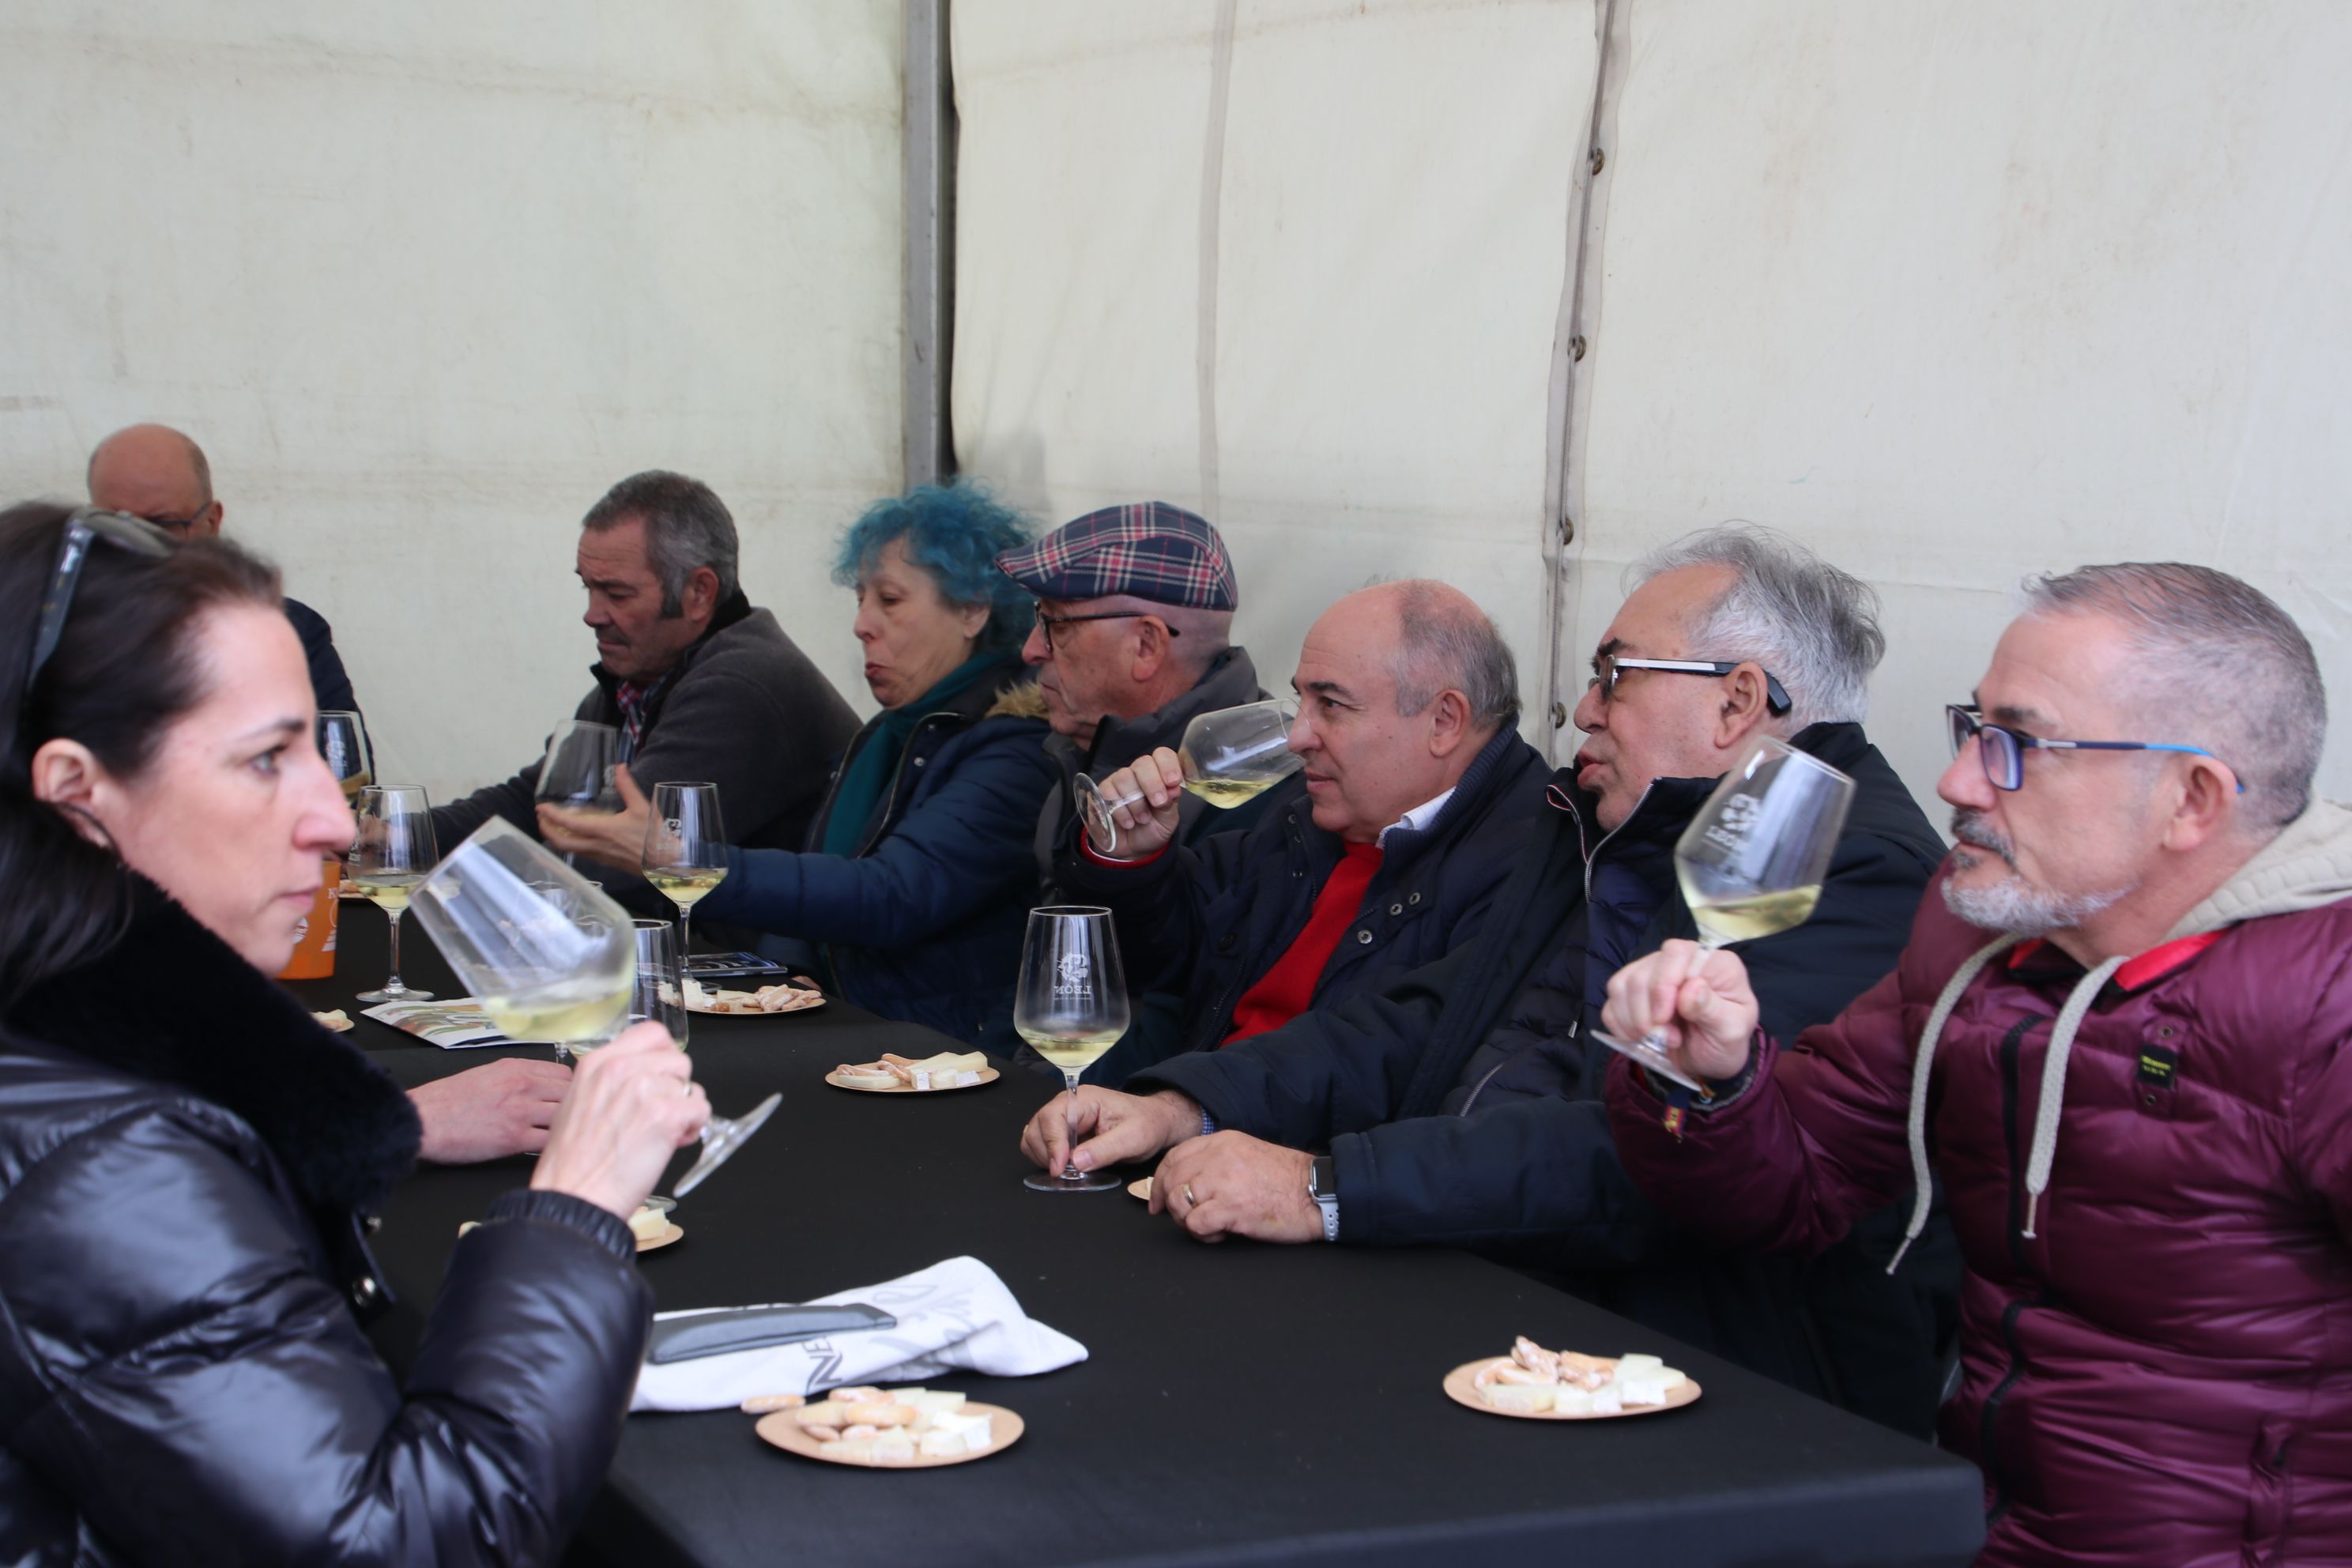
(2121, 1036)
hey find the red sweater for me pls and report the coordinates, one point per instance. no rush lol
(1286, 990)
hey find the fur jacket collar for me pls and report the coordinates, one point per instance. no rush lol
(173, 1003)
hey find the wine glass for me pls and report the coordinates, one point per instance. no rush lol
(686, 849)
(578, 772)
(1072, 1006)
(344, 745)
(1231, 756)
(1751, 862)
(661, 996)
(546, 953)
(389, 858)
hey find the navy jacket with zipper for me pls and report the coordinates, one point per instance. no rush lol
(1208, 920)
(925, 922)
(1462, 1104)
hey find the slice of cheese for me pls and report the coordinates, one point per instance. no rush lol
(649, 1224)
(1522, 1398)
(1638, 1366)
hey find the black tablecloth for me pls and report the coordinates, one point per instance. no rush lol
(1242, 1403)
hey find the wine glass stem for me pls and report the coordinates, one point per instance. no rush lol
(685, 934)
(393, 983)
(1070, 1172)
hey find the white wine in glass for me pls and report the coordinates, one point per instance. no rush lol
(1071, 1007)
(389, 858)
(686, 851)
(1229, 757)
(1751, 862)
(546, 954)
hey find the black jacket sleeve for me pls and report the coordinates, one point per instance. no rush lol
(216, 1401)
(1326, 1072)
(1537, 1176)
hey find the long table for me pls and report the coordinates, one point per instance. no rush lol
(1241, 1403)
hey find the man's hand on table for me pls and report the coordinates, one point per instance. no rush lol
(616, 838)
(1116, 1128)
(1230, 1183)
(633, 1104)
(1144, 828)
(490, 1112)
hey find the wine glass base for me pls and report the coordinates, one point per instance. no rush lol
(1091, 1181)
(722, 1136)
(405, 993)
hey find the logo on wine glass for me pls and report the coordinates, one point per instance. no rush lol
(1734, 822)
(1072, 969)
(673, 825)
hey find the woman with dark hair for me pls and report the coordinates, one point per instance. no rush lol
(918, 875)
(187, 1160)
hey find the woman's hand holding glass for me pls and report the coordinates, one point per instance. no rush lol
(1694, 1003)
(633, 1104)
(1150, 792)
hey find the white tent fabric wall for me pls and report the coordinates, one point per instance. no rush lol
(1950, 292)
(1385, 252)
(425, 279)
(1959, 292)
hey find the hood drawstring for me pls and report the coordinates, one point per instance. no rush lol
(1923, 1180)
(2053, 1085)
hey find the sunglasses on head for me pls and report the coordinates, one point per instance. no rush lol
(85, 529)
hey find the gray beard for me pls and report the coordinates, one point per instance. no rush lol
(2014, 904)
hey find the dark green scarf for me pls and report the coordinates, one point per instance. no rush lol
(885, 742)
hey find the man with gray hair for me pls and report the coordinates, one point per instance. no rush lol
(1461, 1103)
(698, 684)
(1418, 791)
(2123, 1037)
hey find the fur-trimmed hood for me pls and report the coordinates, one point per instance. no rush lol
(173, 1003)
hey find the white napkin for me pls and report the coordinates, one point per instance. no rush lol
(955, 1316)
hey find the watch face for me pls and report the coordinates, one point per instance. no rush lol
(1323, 1177)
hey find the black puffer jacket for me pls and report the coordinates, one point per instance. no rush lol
(1208, 920)
(186, 1161)
(1462, 1105)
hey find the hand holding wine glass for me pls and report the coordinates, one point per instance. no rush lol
(1692, 1003)
(1750, 864)
(389, 859)
(631, 1107)
(1225, 758)
(1071, 1007)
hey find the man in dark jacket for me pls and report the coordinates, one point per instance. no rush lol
(1419, 797)
(1135, 614)
(156, 472)
(700, 685)
(1462, 1104)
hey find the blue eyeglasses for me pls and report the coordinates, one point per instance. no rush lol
(2002, 749)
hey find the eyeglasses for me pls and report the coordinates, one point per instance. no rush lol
(180, 526)
(2002, 749)
(1607, 668)
(1046, 623)
(85, 526)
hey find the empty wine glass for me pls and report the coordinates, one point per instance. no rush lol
(686, 849)
(1751, 862)
(578, 771)
(1072, 1007)
(344, 746)
(1231, 756)
(389, 858)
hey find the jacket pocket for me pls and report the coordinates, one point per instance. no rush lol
(2270, 1495)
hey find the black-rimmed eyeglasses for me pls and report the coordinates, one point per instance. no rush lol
(1045, 623)
(2002, 749)
(83, 528)
(1609, 667)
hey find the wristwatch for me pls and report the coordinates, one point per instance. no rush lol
(1323, 1192)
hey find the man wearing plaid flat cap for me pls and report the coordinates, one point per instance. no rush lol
(1135, 611)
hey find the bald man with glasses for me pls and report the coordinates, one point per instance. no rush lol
(158, 474)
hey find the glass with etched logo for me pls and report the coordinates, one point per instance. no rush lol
(1071, 1007)
(1752, 861)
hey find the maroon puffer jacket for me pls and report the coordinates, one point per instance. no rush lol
(2162, 1373)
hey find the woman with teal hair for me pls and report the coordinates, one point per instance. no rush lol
(918, 875)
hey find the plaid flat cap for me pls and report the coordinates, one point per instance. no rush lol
(1148, 548)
